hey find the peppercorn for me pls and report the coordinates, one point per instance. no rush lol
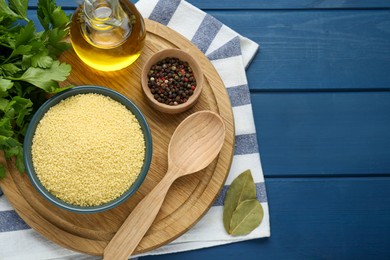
(171, 81)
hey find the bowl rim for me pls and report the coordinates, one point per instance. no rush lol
(85, 89)
(185, 56)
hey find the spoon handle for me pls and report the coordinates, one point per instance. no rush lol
(127, 238)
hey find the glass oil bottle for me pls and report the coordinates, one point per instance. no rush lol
(107, 35)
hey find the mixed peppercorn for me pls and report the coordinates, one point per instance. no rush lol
(171, 81)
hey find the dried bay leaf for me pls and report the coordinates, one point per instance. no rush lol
(246, 217)
(242, 188)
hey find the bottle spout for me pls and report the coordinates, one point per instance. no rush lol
(106, 23)
(102, 13)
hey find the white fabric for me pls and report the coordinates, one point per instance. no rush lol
(21, 242)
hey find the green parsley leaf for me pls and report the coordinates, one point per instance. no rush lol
(6, 12)
(8, 142)
(6, 127)
(5, 84)
(54, 39)
(42, 60)
(23, 107)
(60, 19)
(9, 69)
(20, 50)
(3, 104)
(29, 68)
(51, 16)
(26, 34)
(19, 7)
(44, 14)
(19, 161)
(45, 78)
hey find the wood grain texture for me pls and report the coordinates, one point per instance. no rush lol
(264, 4)
(189, 197)
(315, 49)
(323, 134)
(318, 218)
(193, 146)
(288, 4)
(312, 49)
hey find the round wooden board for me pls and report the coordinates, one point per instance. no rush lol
(188, 199)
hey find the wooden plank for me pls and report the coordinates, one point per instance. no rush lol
(340, 49)
(288, 4)
(266, 4)
(66, 4)
(316, 49)
(345, 133)
(316, 219)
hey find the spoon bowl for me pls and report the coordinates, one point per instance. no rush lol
(196, 141)
(193, 146)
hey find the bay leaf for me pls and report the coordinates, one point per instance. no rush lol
(242, 188)
(246, 217)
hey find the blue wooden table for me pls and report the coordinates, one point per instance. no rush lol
(320, 91)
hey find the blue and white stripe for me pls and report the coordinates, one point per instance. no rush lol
(230, 53)
(10, 221)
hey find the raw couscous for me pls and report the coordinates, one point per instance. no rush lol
(88, 149)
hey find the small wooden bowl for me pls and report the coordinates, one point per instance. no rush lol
(181, 55)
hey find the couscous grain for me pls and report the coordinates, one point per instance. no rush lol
(88, 149)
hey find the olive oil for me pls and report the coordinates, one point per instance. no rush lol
(107, 35)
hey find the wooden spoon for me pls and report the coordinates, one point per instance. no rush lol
(194, 145)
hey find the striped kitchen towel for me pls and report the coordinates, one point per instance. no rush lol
(229, 52)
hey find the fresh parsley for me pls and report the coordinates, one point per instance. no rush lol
(29, 68)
